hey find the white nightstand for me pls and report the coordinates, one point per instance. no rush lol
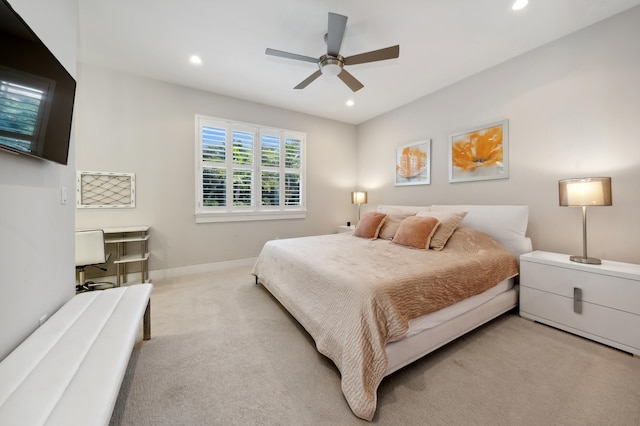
(599, 302)
(345, 228)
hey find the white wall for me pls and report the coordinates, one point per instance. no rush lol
(136, 125)
(574, 110)
(572, 107)
(36, 231)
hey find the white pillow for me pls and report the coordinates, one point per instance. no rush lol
(505, 224)
(400, 210)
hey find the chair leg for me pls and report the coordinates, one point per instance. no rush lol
(81, 285)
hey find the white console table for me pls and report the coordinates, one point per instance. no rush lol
(126, 237)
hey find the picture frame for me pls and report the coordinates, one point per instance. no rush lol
(480, 153)
(100, 190)
(413, 163)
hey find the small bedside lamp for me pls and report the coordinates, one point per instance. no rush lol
(583, 192)
(359, 197)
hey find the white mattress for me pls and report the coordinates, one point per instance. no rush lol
(434, 319)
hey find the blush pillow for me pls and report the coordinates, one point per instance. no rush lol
(449, 221)
(369, 225)
(416, 231)
(390, 226)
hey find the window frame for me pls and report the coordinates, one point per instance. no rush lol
(256, 211)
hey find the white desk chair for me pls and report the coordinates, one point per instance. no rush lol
(90, 251)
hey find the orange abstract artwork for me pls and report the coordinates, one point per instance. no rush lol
(412, 162)
(478, 149)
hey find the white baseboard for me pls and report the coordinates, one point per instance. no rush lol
(159, 274)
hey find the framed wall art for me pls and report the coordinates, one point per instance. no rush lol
(480, 153)
(413, 164)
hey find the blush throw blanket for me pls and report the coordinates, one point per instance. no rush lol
(355, 295)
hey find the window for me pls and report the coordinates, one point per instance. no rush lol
(248, 172)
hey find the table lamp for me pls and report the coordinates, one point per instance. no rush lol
(583, 192)
(359, 197)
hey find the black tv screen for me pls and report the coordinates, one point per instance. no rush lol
(36, 93)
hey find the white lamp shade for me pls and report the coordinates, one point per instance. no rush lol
(359, 197)
(331, 69)
(585, 192)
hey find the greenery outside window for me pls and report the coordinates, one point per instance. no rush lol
(248, 172)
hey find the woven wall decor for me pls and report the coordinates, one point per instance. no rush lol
(105, 190)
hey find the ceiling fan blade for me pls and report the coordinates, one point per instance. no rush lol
(308, 80)
(280, 53)
(375, 55)
(350, 81)
(335, 33)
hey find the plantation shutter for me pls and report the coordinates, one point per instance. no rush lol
(214, 170)
(293, 171)
(242, 168)
(247, 172)
(270, 170)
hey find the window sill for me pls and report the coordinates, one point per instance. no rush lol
(209, 217)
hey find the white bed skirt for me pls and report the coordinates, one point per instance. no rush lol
(451, 324)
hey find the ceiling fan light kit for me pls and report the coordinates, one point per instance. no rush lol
(333, 63)
(330, 65)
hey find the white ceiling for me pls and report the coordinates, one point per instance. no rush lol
(441, 42)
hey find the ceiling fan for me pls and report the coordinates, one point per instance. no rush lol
(333, 63)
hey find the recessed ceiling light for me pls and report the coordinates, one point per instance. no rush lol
(195, 59)
(519, 4)
(350, 102)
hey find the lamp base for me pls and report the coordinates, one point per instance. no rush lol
(587, 260)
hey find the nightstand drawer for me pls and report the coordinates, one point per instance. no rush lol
(609, 326)
(604, 290)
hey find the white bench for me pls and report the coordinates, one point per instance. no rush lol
(69, 371)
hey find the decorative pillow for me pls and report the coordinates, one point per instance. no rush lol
(449, 221)
(390, 226)
(369, 225)
(416, 232)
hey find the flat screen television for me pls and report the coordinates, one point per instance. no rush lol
(36, 93)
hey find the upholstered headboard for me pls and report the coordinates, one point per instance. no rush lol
(505, 224)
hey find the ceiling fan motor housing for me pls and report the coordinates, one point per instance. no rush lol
(331, 65)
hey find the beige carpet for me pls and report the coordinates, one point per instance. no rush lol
(224, 352)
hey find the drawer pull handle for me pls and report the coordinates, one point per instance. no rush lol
(577, 300)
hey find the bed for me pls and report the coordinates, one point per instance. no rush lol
(374, 305)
